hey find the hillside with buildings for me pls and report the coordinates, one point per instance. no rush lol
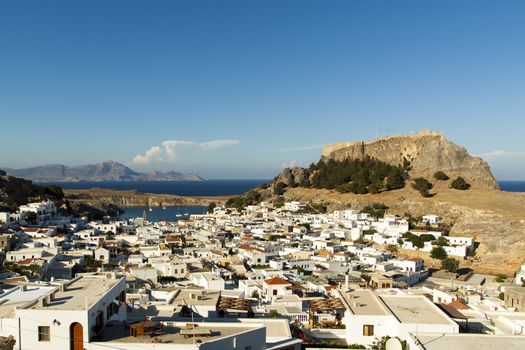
(270, 276)
(479, 210)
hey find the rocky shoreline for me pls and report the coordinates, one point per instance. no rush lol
(98, 198)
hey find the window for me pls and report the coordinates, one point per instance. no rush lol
(275, 292)
(368, 330)
(44, 333)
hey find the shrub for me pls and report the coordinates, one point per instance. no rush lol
(450, 264)
(501, 278)
(460, 184)
(279, 188)
(438, 253)
(441, 241)
(441, 176)
(377, 210)
(422, 185)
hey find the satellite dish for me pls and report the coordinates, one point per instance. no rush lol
(393, 344)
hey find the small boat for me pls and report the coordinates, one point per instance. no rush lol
(150, 209)
(178, 213)
(163, 208)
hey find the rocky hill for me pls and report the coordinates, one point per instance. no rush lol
(16, 191)
(427, 152)
(105, 171)
(496, 219)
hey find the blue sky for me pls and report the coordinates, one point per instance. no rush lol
(239, 89)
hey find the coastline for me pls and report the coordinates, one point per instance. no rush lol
(99, 197)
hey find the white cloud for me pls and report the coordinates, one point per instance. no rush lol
(145, 158)
(171, 151)
(501, 153)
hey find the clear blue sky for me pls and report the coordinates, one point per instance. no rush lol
(237, 89)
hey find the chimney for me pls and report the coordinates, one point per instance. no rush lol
(63, 287)
(23, 288)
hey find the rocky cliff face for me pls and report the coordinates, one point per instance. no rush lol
(100, 198)
(427, 152)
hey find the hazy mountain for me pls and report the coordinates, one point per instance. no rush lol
(105, 171)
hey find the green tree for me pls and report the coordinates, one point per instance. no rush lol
(441, 241)
(395, 179)
(450, 264)
(441, 176)
(438, 253)
(211, 206)
(422, 185)
(279, 188)
(460, 184)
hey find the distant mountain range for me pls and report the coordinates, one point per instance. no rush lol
(105, 171)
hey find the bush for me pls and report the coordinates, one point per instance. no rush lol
(438, 253)
(441, 241)
(501, 278)
(501, 296)
(422, 186)
(377, 210)
(279, 188)
(460, 184)
(441, 176)
(450, 264)
(240, 202)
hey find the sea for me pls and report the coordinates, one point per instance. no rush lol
(512, 186)
(181, 188)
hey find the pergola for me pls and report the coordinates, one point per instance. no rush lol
(227, 304)
(324, 305)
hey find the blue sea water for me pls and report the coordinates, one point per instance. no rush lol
(181, 188)
(512, 186)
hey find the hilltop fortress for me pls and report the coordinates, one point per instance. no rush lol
(427, 151)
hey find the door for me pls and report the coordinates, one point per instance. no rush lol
(76, 332)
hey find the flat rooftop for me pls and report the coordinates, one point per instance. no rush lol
(17, 297)
(190, 297)
(471, 341)
(414, 308)
(86, 289)
(364, 302)
(171, 333)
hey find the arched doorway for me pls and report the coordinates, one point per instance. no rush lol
(76, 336)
